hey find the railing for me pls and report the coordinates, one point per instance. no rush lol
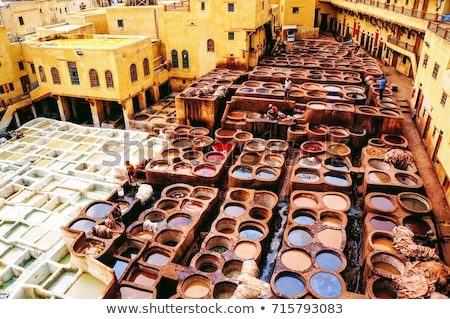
(401, 44)
(178, 6)
(19, 98)
(441, 30)
(431, 16)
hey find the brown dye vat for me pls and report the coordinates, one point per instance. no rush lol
(197, 132)
(382, 223)
(394, 141)
(339, 149)
(331, 238)
(382, 241)
(144, 278)
(296, 259)
(246, 250)
(381, 288)
(129, 292)
(202, 143)
(224, 135)
(177, 191)
(207, 263)
(414, 203)
(218, 244)
(383, 264)
(157, 256)
(338, 135)
(417, 225)
(225, 225)
(169, 237)
(380, 203)
(224, 290)
(195, 287)
(260, 213)
(333, 219)
(232, 268)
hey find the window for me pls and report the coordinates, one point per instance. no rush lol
(425, 61)
(175, 58)
(109, 79)
(185, 58)
(295, 10)
(231, 36)
(230, 7)
(55, 76)
(133, 73)
(93, 77)
(443, 98)
(33, 69)
(73, 72)
(21, 21)
(11, 86)
(42, 74)
(210, 45)
(2, 90)
(21, 67)
(146, 66)
(120, 24)
(435, 71)
(202, 6)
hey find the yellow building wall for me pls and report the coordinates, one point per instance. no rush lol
(95, 16)
(300, 13)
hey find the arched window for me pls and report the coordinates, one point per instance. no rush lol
(210, 45)
(109, 79)
(146, 66)
(175, 58)
(42, 74)
(55, 76)
(185, 57)
(133, 73)
(93, 76)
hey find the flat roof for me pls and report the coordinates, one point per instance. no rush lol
(92, 43)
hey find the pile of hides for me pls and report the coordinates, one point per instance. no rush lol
(144, 193)
(150, 226)
(398, 157)
(207, 90)
(250, 287)
(425, 276)
(102, 231)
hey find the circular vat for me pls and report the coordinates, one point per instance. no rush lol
(232, 268)
(296, 259)
(82, 224)
(273, 160)
(381, 288)
(260, 213)
(289, 285)
(307, 175)
(385, 264)
(406, 179)
(339, 150)
(382, 241)
(277, 146)
(182, 130)
(336, 201)
(394, 140)
(193, 156)
(177, 191)
(380, 202)
(182, 168)
(316, 105)
(255, 145)
(375, 151)
(312, 147)
(196, 287)
(226, 225)
(251, 230)
(265, 199)
(222, 147)
(299, 237)
(417, 225)
(218, 244)
(203, 193)
(382, 223)
(207, 263)
(154, 215)
(234, 209)
(170, 153)
(330, 260)
(242, 172)
(159, 165)
(336, 164)
(250, 158)
(246, 250)
(379, 164)
(205, 170)
(166, 204)
(390, 112)
(182, 143)
(157, 256)
(326, 284)
(138, 230)
(266, 173)
(202, 142)
(198, 131)
(378, 177)
(169, 237)
(179, 220)
(98, 209)
(310, 161)
(305, 200)
(367, 110)
(240, 195)
(331, 237)
(243, 136)
(144, 276)
(192, 206)
(215, 157)
(224, 134)
(336, 179)
(224, 290)
(333, 219)
(304, 216)
(414, 203)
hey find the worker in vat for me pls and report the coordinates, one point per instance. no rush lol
(383, 83)
(272, 112)
(287, 88)
(131, 172)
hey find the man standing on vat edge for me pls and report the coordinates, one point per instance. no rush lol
(287, 88)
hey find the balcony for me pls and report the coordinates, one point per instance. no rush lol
(178, 6)
(441, 29)
(401, 44)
